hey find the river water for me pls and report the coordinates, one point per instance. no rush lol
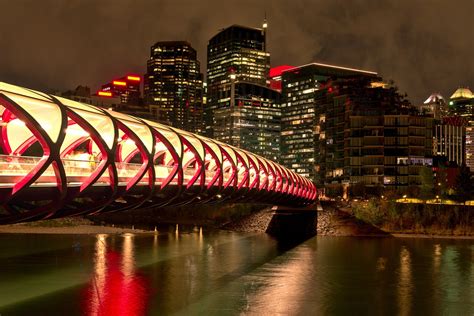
(198, 272)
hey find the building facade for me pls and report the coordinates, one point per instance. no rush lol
(275, 76)
(343, 126)
(435, 105)
(174, 87)
(450, 139)
(235, 54)
(461, 104)
(371, 135)
(252, 122)
(299, 120)
(126, 88)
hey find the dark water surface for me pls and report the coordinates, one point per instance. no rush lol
(225, 273)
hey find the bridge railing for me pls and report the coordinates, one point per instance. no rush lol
(15, 166)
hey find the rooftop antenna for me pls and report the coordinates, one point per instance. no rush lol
(264, 31)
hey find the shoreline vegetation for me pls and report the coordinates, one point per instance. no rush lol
(369, 218)
(415, 218)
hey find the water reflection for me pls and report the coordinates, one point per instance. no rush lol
(437, 257)
(286, 292)
(223, 273)
(381, 263)
(405, 282)
(115, 287)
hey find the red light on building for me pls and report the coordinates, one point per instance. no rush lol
(104, 93)
(133, 78)
(119, 83)
(278, 70)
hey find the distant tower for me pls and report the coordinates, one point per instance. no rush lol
(241, 110)
(235, 54)
(173, 89)
(461, 104)
(435, 105)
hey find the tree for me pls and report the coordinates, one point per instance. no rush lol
(427, 182)
(358, 190)
(441, 186)
(464, 184)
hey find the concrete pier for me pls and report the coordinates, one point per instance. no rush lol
(294, 222)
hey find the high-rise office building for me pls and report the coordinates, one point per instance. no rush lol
(126, 88)
(370, 135)
(299, 122)
(252, 122)
(342, 126)
(449, 139)
(435, 105)
(236, 54)
(461, 103)
(173, 85)
(121, 95)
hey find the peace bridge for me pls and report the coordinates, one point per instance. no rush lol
(61, 158)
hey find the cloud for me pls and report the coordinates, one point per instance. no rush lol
(424, 46)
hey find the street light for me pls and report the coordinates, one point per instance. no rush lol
(405, 197)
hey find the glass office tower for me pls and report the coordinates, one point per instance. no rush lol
(253, 122)
(235, 54)
(173, 85)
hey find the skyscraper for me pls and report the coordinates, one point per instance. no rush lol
(342, 126)
(449, 139)
(435, 105)
(235, 54)
(253, 122)
(173, 85)
(299, 122)
(461, 103)
(370, 135)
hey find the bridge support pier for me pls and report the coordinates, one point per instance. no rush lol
(293, 222)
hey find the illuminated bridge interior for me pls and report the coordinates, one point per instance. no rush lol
(60, 157)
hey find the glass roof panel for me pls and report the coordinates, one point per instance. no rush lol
(17, 134)
(196, 144)
(78, 105)
(46, 114)
(173, 138)
(143, 133)
(25, 92)
(101, 123)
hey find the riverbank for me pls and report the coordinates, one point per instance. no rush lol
(68, 225)
(415, 218)
(424, 236)
(206, 215)
(360, 219)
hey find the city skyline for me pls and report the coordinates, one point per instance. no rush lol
(414, 46)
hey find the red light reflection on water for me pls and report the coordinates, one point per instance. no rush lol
(115, 288)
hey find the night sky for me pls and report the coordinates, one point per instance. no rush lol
(424, 46)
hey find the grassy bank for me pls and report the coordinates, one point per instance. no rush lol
(67, 225)
(432, 219)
